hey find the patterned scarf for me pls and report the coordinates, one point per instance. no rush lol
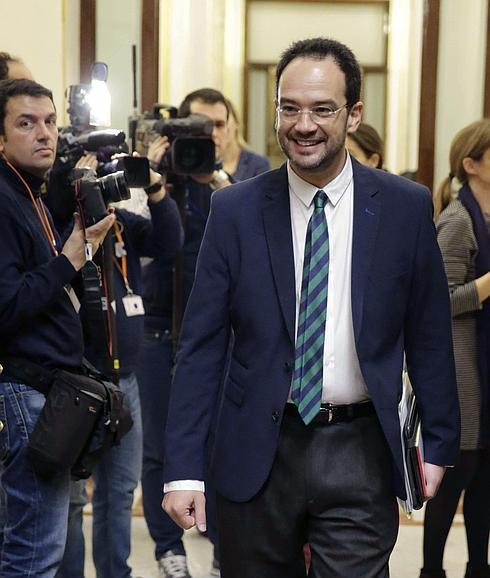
(482, 264)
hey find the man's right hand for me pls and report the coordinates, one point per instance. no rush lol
(158, 147)
(74, 248)
(187, 508)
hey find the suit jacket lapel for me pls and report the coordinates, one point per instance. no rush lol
(277, 225)
(367, 211)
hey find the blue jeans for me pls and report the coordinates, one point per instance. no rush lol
(73, 563)
(36, 509)
(154, 378)
(116, 476)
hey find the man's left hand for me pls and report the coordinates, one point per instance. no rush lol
(433, 479)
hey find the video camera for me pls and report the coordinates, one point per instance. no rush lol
(104, 143)
(76, 140)
(116, 176)
(192, 150)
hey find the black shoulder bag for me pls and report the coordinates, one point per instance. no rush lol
(83, 416)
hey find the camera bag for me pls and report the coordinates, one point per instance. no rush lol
(83, 416)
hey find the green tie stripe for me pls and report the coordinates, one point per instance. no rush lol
(310, 339)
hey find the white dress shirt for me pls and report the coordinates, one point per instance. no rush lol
(342, 378)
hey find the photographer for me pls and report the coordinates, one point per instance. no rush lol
(199, 189)
(118, 472)
(38, 323)
(156, 356)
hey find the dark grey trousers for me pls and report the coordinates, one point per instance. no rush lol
(330, 486)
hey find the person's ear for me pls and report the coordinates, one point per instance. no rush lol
(355, 117)
(2, 146)
(373, 160)
(469, 166)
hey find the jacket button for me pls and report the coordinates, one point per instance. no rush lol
(275, 416)
(288, 367)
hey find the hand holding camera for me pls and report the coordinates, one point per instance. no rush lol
(74, 247)
(87, 161)
(157, 149)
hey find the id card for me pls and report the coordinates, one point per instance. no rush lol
(119, 249)
(133, 305)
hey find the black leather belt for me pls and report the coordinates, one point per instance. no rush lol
(331, 414)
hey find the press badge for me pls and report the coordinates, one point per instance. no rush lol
(133, 305)
(119, 249)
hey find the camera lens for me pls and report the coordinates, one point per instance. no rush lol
(114, 187)
(193, 155)
(189, 156)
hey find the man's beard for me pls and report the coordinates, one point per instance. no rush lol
(317, 162)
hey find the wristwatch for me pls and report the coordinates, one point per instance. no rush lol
(154, 188)
(220, 178)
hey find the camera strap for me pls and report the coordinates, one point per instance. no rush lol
(133, 304)
(120, 258)
(40, 210)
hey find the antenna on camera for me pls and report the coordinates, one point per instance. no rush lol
(135, 92)
(133, 120)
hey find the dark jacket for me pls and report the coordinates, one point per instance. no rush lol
(245, 284)
(37, 318)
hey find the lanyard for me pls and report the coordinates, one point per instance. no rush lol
(40, 212)
(122, 266)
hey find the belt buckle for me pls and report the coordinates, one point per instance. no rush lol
(328, 410)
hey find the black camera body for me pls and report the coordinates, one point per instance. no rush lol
(192, 150)
(93, 194)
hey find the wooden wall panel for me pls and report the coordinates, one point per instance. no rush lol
(428, 93)
(87, 38)
(149, 53)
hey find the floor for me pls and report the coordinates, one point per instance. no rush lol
(405, 562)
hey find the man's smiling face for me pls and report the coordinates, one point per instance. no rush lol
(316, 150)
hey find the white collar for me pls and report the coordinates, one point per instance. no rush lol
(334, 190)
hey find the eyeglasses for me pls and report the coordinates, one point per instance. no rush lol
(318, 114)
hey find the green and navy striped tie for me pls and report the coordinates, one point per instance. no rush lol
(308, 360)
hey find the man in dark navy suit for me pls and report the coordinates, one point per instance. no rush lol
(327, 273)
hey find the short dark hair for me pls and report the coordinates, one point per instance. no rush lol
(19, 87)
(206, 95)
(319, 49)
(5, 58)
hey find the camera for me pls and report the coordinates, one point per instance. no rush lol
(104, 143)
(93, 194)
(136, 170)
(192, 150)
(71, 147)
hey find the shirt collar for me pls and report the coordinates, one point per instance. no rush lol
(334, 190)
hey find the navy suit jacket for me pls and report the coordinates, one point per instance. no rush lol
(245, 287)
